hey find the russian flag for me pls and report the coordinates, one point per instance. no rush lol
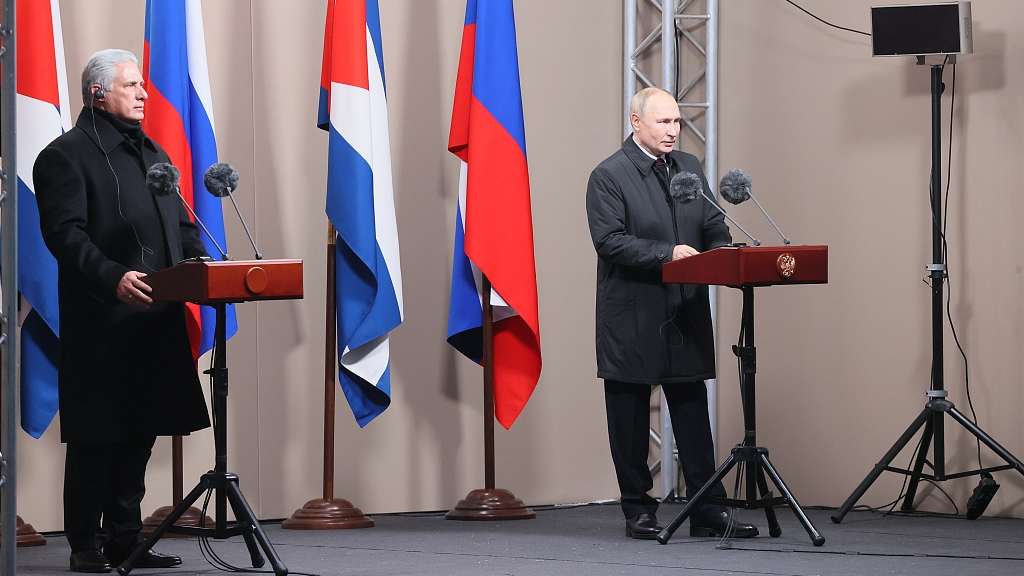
(494, 224)
(43, 114)
(360, 202)
(179, 117)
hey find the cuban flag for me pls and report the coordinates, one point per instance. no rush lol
(494, 224)
(43, 113)
(179, 117)
(360, 203)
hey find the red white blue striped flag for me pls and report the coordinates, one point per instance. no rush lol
(43, 114)
(179, 117)
(360, 203)
(494, 224)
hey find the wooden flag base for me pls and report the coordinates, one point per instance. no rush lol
(27, 535)
(321, 514)
(492, 504)
(190, 518)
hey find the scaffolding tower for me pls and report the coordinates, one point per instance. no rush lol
(679, 44)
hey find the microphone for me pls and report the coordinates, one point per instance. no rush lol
(686, 185)
(735, 188)
(162, 180)
(220, 179)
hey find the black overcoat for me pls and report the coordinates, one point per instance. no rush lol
(122, 371)
(649, 332)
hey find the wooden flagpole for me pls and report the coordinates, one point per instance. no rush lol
(329, 513)
(490, 503)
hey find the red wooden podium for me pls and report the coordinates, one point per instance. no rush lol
(746, 267)
(216, 284)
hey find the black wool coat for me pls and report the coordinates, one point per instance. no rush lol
(649, 332)
(122, 371)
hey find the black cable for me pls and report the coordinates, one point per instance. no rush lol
(825, 22)
(117, 184)
(725, 542)
(945, 217)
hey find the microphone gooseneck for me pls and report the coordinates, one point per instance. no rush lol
(220, 179)
(684, 183)
(162, 180)
(735, 188)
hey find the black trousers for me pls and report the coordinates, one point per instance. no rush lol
(103, 488)
(629, 423)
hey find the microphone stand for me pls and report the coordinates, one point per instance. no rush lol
(223, 255)
(932, 417)
(784, 239)
(244, 227)
(735, 223)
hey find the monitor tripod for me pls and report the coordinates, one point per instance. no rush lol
(932, 418)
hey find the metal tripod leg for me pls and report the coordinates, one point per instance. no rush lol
(243, 512)
(921, 419)
(919, 460)
(769, 511)
(816, 538)
(986, 440)
(666, 533)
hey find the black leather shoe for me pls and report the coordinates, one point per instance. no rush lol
(643, 527)
(716, 526)
(148, 560)
(90, 560)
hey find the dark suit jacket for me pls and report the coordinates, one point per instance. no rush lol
(123, 371)
(649, 332)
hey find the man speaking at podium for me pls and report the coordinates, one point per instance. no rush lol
(126, 373)
(650, 333)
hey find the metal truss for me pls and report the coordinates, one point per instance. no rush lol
(9, 312)
(679, 44)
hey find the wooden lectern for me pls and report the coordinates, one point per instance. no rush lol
(745, 267)
(216, 284)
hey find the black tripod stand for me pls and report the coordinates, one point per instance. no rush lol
(223, 483)
(932, 415)
(755, 457)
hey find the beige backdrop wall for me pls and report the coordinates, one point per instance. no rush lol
(837, 143)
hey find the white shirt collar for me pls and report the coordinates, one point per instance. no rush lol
(644, 149)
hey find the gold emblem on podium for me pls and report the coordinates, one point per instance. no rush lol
(785, 265)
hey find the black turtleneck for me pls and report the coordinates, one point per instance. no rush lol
(132, 131)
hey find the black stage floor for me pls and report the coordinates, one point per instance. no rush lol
(589, 540)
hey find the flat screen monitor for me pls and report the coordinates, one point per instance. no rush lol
(921, 29)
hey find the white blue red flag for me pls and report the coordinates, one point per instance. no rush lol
(179, 117)
(494, 224)
(43, 112)
(361, 203)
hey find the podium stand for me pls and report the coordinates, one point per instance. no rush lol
(216, 284)
(747, 267)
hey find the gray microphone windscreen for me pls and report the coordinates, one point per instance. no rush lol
(735, 186)
(685, 186)
(219, 178)
(162, 178)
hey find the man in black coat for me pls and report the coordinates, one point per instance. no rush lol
(650, 333)
(125, 371)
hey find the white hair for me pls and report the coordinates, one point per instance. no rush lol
(640, 102)
(102, 69)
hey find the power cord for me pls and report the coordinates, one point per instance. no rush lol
(826, 22)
